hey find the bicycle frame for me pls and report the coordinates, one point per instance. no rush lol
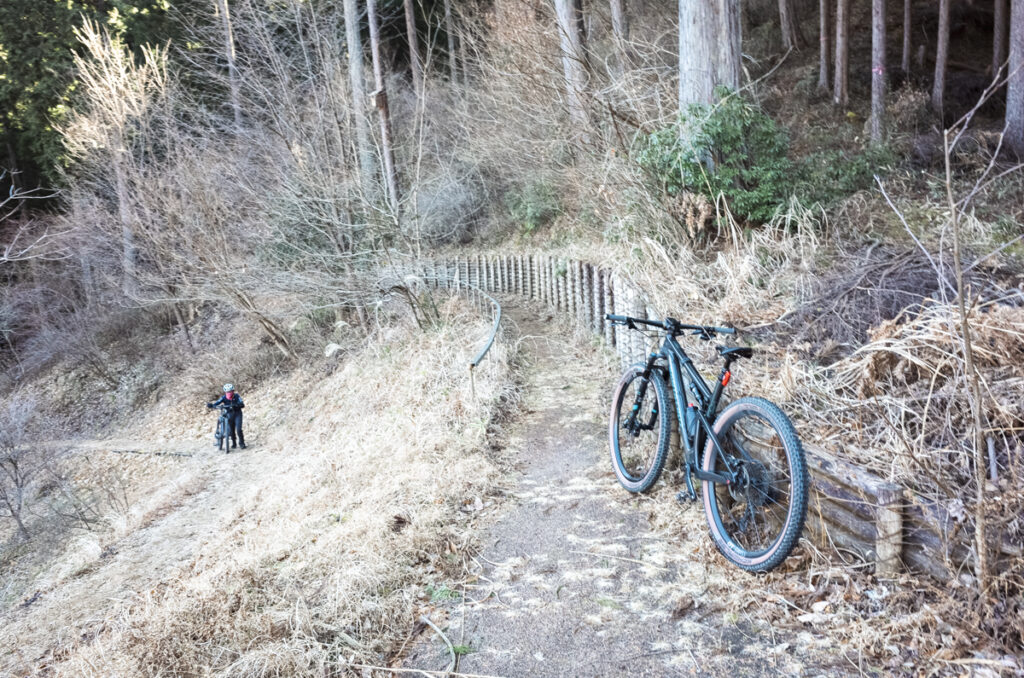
(684, 377)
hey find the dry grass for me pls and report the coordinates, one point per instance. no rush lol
(313, 548)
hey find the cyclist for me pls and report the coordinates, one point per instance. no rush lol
(232, 402)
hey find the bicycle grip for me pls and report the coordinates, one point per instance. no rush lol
(615, 318)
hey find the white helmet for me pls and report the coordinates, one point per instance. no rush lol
(229, 387)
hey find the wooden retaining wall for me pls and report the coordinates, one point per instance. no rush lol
(851, 511)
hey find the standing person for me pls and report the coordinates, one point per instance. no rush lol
(232, 402)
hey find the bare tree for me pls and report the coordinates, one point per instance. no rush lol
(825, 43)
(117, 93)
(380, 100)
(791, 36)
(907, 28)
(573, 66)
(353, 38)
(998, 35)
(878, 74)
(941, 57)
(229, 54)
(23, 461)
(710, 37)
(1015, 85)
(840, 83)
(414, 49)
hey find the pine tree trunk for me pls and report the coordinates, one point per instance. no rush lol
(572, 64)
(709, 49)
(381, 103)
(907, 28)
(825, 43)
(449, 28)
(941, 57)
(414, 49)
(353, 38)
(791, 37)
(878, 73)
(998, 35)
(229, 54)
(840, 86)
(1015, 87)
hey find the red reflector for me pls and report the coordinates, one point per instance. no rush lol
(726, 378)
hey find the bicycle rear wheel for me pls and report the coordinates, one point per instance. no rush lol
(756, 521)
(638, 430)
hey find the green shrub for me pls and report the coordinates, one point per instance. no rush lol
(736, 150)
(732, 149)
(534, 205)
(828, 176)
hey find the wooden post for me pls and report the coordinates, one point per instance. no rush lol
(889, 539)
(608, 296)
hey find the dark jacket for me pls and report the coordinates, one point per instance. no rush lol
(234, 404)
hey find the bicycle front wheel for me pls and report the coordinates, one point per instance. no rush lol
(638, 429)
(756, 521)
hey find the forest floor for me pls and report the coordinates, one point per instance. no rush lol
(577, 578)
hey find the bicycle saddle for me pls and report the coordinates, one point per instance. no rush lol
(733, 352)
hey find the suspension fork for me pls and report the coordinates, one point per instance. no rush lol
(641, 390)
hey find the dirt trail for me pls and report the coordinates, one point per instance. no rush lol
(182, 517)
(573, 579)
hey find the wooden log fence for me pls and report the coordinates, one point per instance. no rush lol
(851, 510)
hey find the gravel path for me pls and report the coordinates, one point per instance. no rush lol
(573, 578)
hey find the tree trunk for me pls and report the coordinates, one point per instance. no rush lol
(229, 54)
(1015, 86)
(998, 35)
(380, 100)
(620, 31)
(907, 27)
(449, 28)
(878, 75)
(840, 85)
(791, 37)
(709, 49)
(353, 37)
(825, 38)
(572, 64)
(620, 24)
(414, 50)
(129, 254)
(941, 57)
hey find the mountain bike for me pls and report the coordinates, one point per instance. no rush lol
(223, 430)
(752, 469)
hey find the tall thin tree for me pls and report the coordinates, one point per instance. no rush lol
(998, 35)
(364, 150)
(840, 83)
(620, 31)
(380, 98)
(791, 36)
(941, 57)
(414, 49)
(878, 73)
(449, 29)
(229, 55)
(1015, 87)
(907, 28)
(573, 67)
(825, 43)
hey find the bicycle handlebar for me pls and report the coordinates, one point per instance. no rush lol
(670, 325)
